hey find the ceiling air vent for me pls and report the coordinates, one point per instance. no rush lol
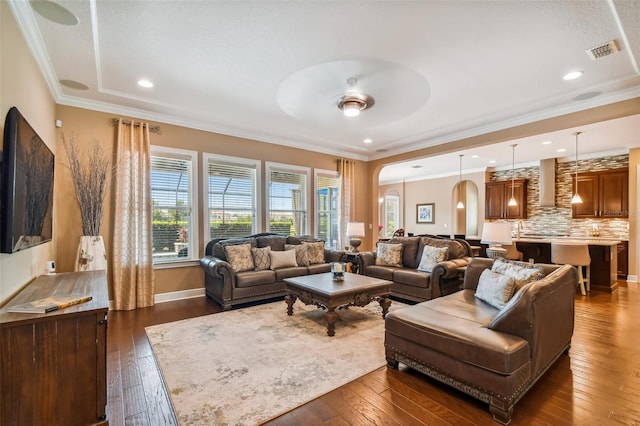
(609, 48)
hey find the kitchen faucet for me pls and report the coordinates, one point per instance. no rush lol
(520, 228)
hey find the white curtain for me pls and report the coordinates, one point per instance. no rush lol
(133, 277)
(346, 171)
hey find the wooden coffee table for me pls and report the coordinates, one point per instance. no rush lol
(321, 290)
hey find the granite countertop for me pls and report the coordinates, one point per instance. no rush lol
(594, 241)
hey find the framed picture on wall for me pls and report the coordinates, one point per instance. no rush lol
(426, 213)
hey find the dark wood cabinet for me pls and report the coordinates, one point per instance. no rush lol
(604, 194)
(497, 195)
(623, 260)
(53, 367)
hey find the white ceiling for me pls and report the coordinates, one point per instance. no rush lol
(273, 71)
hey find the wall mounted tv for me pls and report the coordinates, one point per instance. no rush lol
(26, 186)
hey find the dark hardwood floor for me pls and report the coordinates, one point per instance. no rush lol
(597, 384)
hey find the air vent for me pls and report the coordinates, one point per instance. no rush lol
(609, 48)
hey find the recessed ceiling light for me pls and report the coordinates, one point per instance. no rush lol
(145, 83)
(54, 12)
(492, 161)
(475, 156)
(561, 150)
(416, 166)
(572, 75)
(367, 140)
(546, 143)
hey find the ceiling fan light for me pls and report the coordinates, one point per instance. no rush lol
(351, 108)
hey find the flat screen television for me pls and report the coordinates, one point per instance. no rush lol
(26, 186)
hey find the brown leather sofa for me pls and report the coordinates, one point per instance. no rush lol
(495, 355)
(411, 284)
(229, 288)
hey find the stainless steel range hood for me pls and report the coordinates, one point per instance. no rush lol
(548, 182)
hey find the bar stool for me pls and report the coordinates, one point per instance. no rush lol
(576, 255)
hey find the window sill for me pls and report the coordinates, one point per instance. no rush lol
(178, 264)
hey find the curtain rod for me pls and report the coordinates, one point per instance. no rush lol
(133, 123)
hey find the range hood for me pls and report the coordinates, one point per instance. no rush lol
(548, 182)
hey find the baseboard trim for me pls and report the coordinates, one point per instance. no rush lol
(632, 278)
(178, 295)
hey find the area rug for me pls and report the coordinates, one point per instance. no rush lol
(249, 365)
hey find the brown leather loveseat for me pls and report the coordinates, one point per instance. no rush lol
(409, 282)
(495, 355)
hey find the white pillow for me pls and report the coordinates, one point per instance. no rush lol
(282, 259)
(494, 288)
(431, 256)
(389, 255)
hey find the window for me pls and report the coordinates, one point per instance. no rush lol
(391, 215)
(328, 207)
(231, 196)
(287, 198)
(173, 186)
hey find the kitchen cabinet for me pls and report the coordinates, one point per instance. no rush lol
(497, 195)
(604, 194)
(623, 260)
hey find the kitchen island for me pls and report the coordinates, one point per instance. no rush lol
(603, 253)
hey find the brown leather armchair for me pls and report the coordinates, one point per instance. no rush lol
(495, 355)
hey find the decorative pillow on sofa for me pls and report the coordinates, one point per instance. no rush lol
(261, 258)
(431, 256)
(282, 259)
(315, 252)
(239, 256)
(522, 273)
(302, 258)
(495, 289)
(389, 255)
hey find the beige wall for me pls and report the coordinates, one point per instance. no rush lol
(22, 85)
(88, 125)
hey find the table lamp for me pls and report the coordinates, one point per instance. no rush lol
(355, 230)
(495, 234)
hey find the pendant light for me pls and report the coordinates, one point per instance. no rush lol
(576, 199)
(460, 203)
(512, 200)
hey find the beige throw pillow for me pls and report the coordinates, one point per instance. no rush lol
(282, 259)
(389, 255)
(239, 257)
(432, 256)
(315, 252)
(494, 288)
(302, 258)
(261, 258)
(520, 272)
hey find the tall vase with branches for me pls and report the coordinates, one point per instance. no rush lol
(89, 175)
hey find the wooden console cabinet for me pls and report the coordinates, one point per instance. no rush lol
(53, 366)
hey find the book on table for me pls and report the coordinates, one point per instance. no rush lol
(48, 304)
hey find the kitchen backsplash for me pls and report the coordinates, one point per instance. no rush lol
(557, 220)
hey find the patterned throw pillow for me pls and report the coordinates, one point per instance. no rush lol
(389, 255)
(522, 273)
(302, 258)
(261, 258)
(431, 256)
(495, 289)
(315, 252)
(239, 256)
(282, 259)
